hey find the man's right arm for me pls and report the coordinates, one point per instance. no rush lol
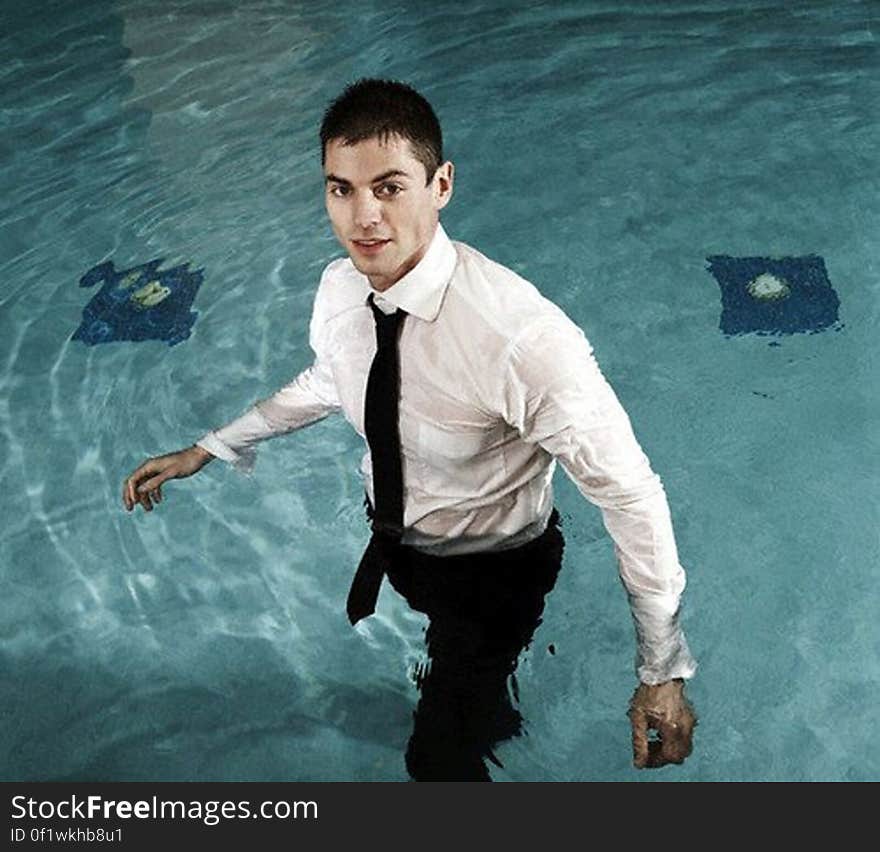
(310, 397)
(307, 399)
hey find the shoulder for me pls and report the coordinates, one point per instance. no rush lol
(337, 278)
(480, 268)
(501, 296)
(340, 289)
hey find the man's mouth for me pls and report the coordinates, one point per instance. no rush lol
(371, 246)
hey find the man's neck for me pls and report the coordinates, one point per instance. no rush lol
(380, 285)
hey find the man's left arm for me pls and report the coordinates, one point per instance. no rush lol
(557, 397)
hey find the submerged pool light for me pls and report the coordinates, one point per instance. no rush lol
(768, 288)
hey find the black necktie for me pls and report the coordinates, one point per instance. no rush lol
(382, 428)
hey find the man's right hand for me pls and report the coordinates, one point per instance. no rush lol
(145, 485)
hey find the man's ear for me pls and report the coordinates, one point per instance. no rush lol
(443, 181)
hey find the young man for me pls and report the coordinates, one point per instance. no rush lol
(468, 386)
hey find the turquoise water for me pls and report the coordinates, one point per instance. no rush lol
(604, 151)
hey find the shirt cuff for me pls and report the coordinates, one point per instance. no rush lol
(662, 650)
(242, 461)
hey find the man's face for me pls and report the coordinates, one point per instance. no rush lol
(381, 211)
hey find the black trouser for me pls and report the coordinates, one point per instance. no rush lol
(483, 609)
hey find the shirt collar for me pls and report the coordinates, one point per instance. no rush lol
(420, 292)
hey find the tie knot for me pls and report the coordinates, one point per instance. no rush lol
(386, 324)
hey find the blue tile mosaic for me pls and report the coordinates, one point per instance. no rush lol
(141, 303)
(787, 295)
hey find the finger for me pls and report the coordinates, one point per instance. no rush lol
(130, 488)
(144, 496)
(676, 740)
(132, 498)
(152, 484)
(655, 754)
(639, 722)
(144, 500)
(135, 496)
(126, 493)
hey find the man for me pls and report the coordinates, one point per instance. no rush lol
(468, 385)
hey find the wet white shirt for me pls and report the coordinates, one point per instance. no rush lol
(497, 384)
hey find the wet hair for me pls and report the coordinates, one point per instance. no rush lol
(378, 109)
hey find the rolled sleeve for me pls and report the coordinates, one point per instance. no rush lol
(233, 443)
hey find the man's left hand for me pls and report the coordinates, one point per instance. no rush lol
(665, 709)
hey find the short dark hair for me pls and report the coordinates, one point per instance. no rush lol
(371, 109)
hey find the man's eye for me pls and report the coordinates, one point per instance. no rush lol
(387, 190)
(339, 191)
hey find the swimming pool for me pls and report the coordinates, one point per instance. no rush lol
(604, 151)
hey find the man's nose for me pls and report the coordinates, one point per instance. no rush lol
(367, 210)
